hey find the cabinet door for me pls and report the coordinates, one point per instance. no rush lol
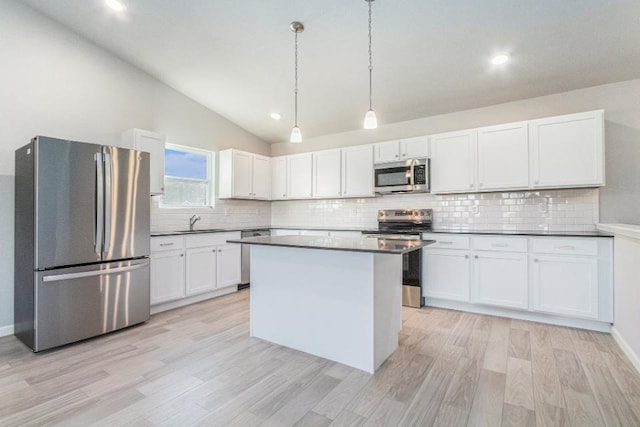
(414, 148)
(446, 274)
(387, 152)
(326, 173)
(201, 270)
(228, 259)
(167, 276)
(261, 177)
(503, 157)
(153, 144)
(357, 171)
(567, 151)
(278, 178)
(300, 176)
(500, 279)
(565, 285)
(241, 170)
(453, 162)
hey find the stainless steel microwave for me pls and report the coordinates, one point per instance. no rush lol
(410, 176)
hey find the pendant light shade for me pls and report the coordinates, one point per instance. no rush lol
(296, 135)
(370, 119)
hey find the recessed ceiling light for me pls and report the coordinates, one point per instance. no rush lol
(500, 59)
(115, 5)
(275, 116)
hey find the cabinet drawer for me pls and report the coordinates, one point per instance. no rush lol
(565, 246)
(167, 243)
(447, 241)
(210, 239)
(507, 244)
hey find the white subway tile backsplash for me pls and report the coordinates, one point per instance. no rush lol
(560, 210)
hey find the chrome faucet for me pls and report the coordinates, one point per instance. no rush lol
(192, 221)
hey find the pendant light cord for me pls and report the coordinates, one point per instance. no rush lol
(296, 79)
(370, 61)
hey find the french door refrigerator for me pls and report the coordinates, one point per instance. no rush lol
(82, 241)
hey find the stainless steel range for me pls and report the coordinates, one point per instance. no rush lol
(406, 224)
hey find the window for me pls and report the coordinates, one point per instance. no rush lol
(187, 177)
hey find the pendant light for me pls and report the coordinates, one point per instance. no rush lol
(296, 135)
(370, 119)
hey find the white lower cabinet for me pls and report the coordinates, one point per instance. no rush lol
(569, 278)
(201, 270)
(228, 259)
(446, 274)
(167, 276)
(500, 279)
(184, 266)
(565, 285)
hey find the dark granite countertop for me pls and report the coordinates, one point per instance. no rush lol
(323, 228)
(208, 230)
(352, 244)
(527, 233)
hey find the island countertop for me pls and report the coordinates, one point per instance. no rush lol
(352, 244)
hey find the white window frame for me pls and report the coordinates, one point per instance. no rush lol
(211, 159)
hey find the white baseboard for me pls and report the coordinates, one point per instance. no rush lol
(593, 325)
(5, 331)
(159, 308)
(626, 348)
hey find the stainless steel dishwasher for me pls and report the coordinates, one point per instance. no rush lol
(245, 276)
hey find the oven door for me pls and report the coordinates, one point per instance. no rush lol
(393, 177)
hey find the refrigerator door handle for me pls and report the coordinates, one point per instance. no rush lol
(98, 223)
(107, 202)
(67, 276)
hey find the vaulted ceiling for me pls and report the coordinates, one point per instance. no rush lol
(430, 56)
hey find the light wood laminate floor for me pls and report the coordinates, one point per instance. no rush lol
(198, 366)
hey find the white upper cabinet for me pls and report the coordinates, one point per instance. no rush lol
(387, 151)
(453, 162)
(152, 143)
(503, 157)
(567, 151)
(300, 176)
(279, 178)
(403, 149)
(244, 175)
(414, 148)
(357, 171)
(261, 177)
(327, 173)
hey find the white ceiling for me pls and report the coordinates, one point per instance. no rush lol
(430, 57)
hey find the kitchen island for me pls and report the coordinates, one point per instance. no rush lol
(336, 298)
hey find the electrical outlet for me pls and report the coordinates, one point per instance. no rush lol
(543, 207)
(475, 209)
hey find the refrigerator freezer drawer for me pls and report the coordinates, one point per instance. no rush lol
(82, 302)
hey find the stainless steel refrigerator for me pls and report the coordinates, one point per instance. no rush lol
(81, 241)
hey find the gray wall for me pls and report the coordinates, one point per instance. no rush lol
(619, 200)
(58, 84)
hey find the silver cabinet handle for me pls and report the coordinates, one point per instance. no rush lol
(466, 256)
(396, 156)
(535, 260)
(181, 254)
(476, 257)
(445, 242)
(166, 244)
(571, 247)
(500, 245)
(284, 195)
(219, 250)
